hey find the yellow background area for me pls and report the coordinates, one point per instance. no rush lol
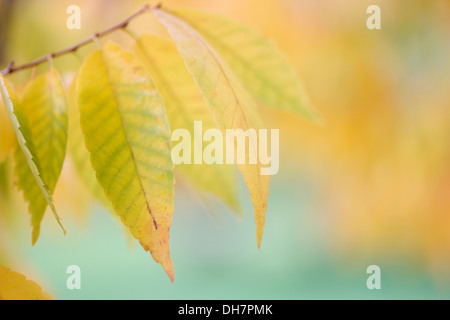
(369, 186)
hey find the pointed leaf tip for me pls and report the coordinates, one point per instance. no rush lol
(127, 135)
(41, 154)
(227, 99)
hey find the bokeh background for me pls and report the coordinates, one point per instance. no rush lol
(370, 186)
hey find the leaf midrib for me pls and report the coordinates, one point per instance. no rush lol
(264, 80)
(127, 137)
(213, 54)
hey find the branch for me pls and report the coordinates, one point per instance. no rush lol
(11, 68)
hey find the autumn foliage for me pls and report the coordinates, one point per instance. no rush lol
(116, 115)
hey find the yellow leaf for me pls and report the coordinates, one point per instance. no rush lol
(257, 62)
(31, 132)
(128, 137)
(78, 151)
(81, 158)
(45, 108)
(184, 105)
(14, 286)
(229, 103)
(7, 138)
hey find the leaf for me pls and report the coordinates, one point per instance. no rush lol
(78, 152)
(14, 286)
(184, 105)
(229, 103)
(8, 139)
(128, 137)
(256, 61)
(81, 158)
(30, 132)
(45, 111)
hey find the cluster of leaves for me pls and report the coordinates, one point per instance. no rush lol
(122, 106)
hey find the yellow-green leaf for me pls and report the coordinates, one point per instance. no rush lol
(229, 103)
(257, 62)
(7, 138)
(81, 158)
(77, 149)
(39, 127)
(45, 110)
(14, 286)
(184, 105)
(128, 137)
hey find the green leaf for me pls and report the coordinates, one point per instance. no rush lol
(40, 124)
(230, 104)
(256, 61)
(128, 137)
(184, 105)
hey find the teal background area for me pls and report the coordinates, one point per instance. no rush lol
(216, 257)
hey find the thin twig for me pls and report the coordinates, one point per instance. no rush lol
(11, 68)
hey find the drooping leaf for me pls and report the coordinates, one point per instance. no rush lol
(231, 106)
(81, 158)
(256, 61)
(45, 108)
(128, 137)
(184, 105)
(14, 286)
(31, 134)
(77, 149)
(7, 137)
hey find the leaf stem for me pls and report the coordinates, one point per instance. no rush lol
(122, 25)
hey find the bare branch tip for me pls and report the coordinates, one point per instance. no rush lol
(93, 38)
(8, 69)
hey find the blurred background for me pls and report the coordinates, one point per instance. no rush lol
(369, 187)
